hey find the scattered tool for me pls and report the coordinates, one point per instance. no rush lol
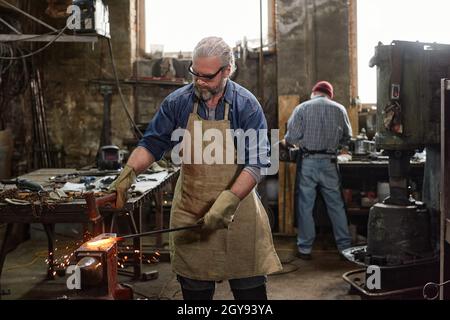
(92, 210)
(88, 182)
(24, 184)
(143, 179)
(63, 178)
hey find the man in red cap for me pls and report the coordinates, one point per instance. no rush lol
(323, 87)
(319, 127)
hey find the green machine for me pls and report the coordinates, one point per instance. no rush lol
(409, 93)
(408, 119)
(408, 112)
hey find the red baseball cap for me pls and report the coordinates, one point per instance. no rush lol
(324, 87)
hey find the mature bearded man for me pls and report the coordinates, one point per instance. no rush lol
(235, 241)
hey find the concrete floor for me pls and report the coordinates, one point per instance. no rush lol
(24, 275)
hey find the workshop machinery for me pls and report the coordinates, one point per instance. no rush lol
(400, 228)
(97, 263)
(94, 17)
(96, 260)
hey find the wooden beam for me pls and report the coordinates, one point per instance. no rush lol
(353, 47)
(141, 27)
(46, 38)
(447, 230)
(353, 110)
(286, 175)
(272, 20)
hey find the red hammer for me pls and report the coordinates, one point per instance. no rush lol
(93, 204)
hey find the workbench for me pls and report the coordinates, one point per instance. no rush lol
(362, 174)
(75, 211)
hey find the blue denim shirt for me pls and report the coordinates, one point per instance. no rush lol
(245, 113)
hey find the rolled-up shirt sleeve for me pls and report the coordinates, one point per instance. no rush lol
(157, 137)
(255, 172)
(347, 132)
(254, 136)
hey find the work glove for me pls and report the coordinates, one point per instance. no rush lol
(121, 185)
(220, 215)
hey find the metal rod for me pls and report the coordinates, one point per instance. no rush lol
(10, 26)
(158, 232)
(384, 294)
(445, 174)
(28, 15)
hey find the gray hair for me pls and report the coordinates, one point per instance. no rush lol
(215, 47)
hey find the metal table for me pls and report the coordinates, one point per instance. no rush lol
(75, 212)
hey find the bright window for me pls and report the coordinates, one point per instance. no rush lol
(178, 25)
(388, 20)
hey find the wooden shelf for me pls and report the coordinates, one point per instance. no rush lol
(152, 82)
(156, 82)
(47, 38)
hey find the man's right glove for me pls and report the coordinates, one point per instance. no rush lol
(222, 211)
(121, 185)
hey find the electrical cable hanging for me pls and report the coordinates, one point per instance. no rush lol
(138, 134)
(38, 50)
(31, 37)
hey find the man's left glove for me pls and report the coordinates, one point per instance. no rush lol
(121, 185)
(222, 211)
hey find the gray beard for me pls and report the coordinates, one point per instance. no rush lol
(208, 93)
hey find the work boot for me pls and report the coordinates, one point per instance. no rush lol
(304, 256)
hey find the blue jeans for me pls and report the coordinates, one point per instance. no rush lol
(319, 173)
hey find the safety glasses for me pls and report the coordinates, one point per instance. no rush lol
(206, 76)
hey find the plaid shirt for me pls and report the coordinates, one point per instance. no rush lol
(319, 124)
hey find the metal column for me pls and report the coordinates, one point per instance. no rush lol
(445, 177)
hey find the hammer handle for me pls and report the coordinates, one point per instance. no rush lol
(108, 199)
(94, 203)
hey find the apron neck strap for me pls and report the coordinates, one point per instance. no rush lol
(225, 116)
(227, 110)
(195, 107)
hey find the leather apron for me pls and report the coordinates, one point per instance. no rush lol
(243, 250)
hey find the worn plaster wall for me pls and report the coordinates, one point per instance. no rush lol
(74, 105)
(74, 102)
(312, 43)
(248, 77)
